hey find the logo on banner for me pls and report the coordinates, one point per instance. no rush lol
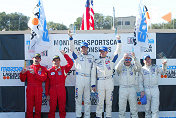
(171, 72)
(44, 53)
(11, 72)
(149, 48)
(131, 40)
(151, 41)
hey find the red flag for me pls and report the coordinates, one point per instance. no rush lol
(88, 17)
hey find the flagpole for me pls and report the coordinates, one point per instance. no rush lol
(113, 18)
(173, 23)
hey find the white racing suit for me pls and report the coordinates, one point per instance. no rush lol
(83, 65)
(127, 87)
(103, 72)
(149, 84)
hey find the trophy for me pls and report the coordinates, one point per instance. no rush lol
(161, 55)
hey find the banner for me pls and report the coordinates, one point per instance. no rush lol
(39, 40)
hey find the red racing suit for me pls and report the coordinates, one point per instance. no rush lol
(34, 89)
(55, 87)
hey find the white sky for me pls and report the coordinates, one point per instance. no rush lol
(66, 11)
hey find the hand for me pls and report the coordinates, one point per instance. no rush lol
(48, 97)
(94, 89)
(31, 71)
(125, 55)
(164, 62)
(69, 33)
(118, 37)
(133, 55)
(63, 52)
(23, 71)
(142, 94)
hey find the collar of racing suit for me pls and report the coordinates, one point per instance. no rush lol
(35, 65)
(148, 66)
(85, 54)
(103, 57)
(56, 68)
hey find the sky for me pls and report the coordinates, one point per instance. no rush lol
(66, 11)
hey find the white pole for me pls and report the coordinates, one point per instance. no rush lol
(173, 23)
(113, 18)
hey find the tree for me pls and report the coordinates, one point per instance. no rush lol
(170, 25)
(3, 21)
(98, 21)
(107, 22)
(78, 23)
(56, 26)
(13, 21)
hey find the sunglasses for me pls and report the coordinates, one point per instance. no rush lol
(128, 59)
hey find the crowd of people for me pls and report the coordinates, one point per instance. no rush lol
(94, 75)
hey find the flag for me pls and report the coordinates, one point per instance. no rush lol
(167, 17)
(141, 28)
(39, 40)
(88, 16)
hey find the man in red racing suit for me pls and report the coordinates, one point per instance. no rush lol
(55, 85)
(35, 75)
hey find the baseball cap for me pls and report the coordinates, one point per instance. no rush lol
(56, 57)
(146, 57)
(103, 48)
(37, 55)
(84, 44)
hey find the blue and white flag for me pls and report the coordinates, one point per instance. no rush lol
(142, 27)
(39, 40)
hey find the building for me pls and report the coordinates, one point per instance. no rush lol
(125, 22)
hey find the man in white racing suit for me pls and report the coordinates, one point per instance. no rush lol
(83, 64)
(103, 72)
(149, 85)
(127, 84)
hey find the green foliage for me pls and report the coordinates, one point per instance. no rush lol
(170, 25)
(100, 22)
(13, 21)
(18, 21)
(56, 26)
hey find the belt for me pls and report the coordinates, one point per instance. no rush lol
(83, 74)
(151, 86)
(127, 86)
(34, 84)
(104, 78)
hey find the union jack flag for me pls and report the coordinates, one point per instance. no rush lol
(88, 16)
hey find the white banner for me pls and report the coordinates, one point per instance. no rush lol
(9, 73)
(170, 77)
(61, 42)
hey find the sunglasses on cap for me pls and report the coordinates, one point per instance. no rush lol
(128, 59)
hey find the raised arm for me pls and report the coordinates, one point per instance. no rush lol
(163, 69)
(119, 66)
(137, 64)
(72, 46)
(118, 49)
(69, 61)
